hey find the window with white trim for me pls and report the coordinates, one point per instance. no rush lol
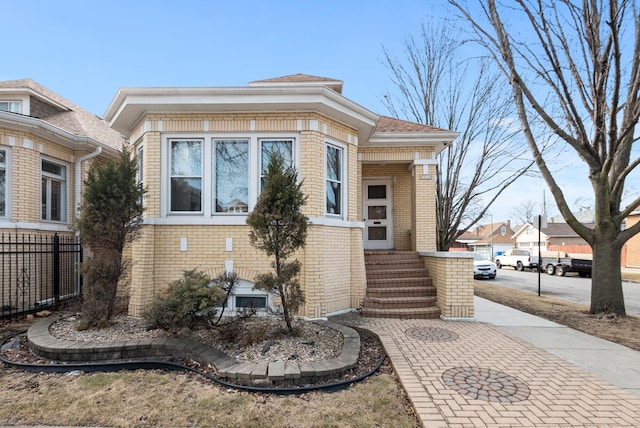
(231, 160)
(53, 191)
(218, 175)
(11, 106)
(334, 179)
(269, 147)
(186, 175)
(3, 182)
(140, 169)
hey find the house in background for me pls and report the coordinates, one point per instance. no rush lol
(370, 182)
(631, 250)
(553, 237)
(488, 240)
(46, 144)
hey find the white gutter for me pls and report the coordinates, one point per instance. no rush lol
(88, 156)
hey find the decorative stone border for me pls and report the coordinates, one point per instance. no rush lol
(486, 384)
(42, 343)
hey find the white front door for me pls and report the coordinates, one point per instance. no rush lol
(377, 209)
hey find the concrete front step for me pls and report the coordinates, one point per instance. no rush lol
(399, 282)
(398, 302)
(401, 292)
(390, 255)
(421, 313)
(397, 273)
(398, 286)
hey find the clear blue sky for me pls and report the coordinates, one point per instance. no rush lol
(86, 49)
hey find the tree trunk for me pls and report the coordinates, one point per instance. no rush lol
(606, 278)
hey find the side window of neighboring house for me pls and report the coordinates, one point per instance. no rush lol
(503, 230)
(186, 175)
(334, 179)
(53, 191)
(3, 182)
(12, 106)
(231, 160)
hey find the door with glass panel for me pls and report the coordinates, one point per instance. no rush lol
(377, 209)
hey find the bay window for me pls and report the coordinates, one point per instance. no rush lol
(218, 176)
(53, 191)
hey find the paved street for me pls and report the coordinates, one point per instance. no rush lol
(570, 287)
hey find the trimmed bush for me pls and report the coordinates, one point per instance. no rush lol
(188, 303)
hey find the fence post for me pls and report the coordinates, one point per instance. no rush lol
(56, 267)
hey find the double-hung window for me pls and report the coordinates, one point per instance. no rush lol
(12, 106)
(334, 179)
(231, 176)
(140, 169)
(53, 191)
(3, 182)
(186, 175)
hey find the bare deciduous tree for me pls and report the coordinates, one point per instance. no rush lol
(575, 67)
(435, 86)
(525, 212)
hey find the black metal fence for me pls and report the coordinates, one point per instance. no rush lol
(38, 271)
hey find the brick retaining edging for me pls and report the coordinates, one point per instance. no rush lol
(42, 343)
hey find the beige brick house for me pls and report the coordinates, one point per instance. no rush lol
(369, 180)
(46, 143)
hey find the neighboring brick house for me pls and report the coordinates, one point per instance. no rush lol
(488, 240)
(46, 144)
(632, 247)
(370, 182)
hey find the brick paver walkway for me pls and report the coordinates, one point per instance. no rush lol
(465, 374)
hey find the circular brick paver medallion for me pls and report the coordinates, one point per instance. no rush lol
(431, 334)
(486, 384)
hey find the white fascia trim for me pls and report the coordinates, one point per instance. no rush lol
(130, 104)
(425, 162)
(408, 137)
(50, 132)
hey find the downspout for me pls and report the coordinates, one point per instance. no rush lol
(78, 184)
(79, 175)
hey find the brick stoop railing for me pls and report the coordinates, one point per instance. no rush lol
(398, 286)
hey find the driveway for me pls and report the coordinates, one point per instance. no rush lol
(571, 288)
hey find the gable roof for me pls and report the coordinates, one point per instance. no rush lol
(562, 230)
(555, 230)
(67, 116)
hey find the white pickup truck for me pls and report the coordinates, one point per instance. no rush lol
(517, 259)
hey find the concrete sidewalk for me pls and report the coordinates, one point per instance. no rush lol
(609, 361)
(509, 369)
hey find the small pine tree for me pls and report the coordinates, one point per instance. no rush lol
(110, 218)
(279, 228)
